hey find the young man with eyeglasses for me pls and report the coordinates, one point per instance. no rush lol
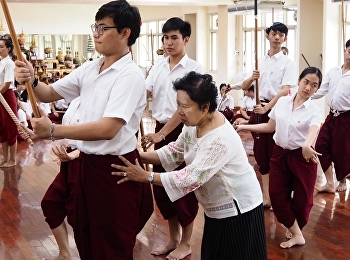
(108, 216)
(333, 139)
(276, 74)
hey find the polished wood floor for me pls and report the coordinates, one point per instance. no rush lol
(25, 235)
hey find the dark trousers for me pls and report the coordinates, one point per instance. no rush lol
(290, 172)
(185, 208)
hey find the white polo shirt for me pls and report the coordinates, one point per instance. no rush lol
(338, 87)
(117, 92)
(292, 126)
(160, 83)
(227, 101)
(248, 103)
(7, 74)
(275, 72)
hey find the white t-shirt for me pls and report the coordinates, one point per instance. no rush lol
(22, 117)
(7, 73)
(217, 170)
(160, 83)
(292, 126)
(248, 103)
(275, 72)
(227, 101)
(117, 92)
(338, 87)
(72, 117)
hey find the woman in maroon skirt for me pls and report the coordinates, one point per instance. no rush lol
(296, 121)
(8, 128)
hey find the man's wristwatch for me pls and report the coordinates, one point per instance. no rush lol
(151, 177)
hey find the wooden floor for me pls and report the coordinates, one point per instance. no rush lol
(25, 235)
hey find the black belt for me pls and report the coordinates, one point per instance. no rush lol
(264, 100)
(337, 112)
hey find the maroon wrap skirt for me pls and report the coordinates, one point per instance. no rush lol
(263, 146)
(108, 216)
(8, 128)
(290, 172)
(58, 201)
(185, 208)
(333, 143)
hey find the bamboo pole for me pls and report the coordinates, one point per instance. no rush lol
(19, 55)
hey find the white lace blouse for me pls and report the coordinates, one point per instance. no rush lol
(217, 171)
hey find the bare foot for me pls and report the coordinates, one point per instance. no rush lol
(8, 164)
(164, 249)
(180, 252)
(341, 186)
(326, 188)
(294, 241)
(2, 162)
(289, 234)
(271, 208)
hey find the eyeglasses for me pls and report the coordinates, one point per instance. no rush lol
(99, 29)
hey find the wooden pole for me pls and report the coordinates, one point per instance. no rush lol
(257, 96)
(305, 60)
(19, 55)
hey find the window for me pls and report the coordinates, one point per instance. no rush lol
(66, 41)
(265, 20)
(149, 42)
(213, 27)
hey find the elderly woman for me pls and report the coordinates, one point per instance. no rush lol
(217, 171)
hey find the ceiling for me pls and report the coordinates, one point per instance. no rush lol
(133, 2)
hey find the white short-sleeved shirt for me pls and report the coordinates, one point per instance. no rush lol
(338, 87)
(61, 104)
(22, 117)
(227, 101)
(7, 74)
(45, 107)
(248, 103)
(117, 92)
(160, 83)
(217, 170)
(275, 72)
(72, 117)
(292, 126)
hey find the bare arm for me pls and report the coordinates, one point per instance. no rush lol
(150, 139)
(259, 109)
(249, 81)
(307, 148)
(5, 87)
(244, 113)
(268, 127)
(150, 157)
(103, 129)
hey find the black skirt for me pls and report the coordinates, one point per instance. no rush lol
(240, 237)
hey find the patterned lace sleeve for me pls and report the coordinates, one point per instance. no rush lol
(209, 158)
(172, 155)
